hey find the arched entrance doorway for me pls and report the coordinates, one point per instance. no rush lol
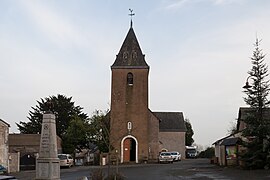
(129, 149)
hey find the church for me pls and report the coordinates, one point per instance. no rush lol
(138, 134)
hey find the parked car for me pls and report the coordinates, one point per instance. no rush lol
(8, 177)
(165, 157)
(66, 160)
(176, 156)
(3, 170)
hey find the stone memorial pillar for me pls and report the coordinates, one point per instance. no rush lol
(47, 164)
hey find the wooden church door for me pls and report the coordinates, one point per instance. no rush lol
(126, 149)
(129, 149)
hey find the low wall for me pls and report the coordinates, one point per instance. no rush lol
(14, 162)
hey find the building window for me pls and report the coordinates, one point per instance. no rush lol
(130, 79)
(129, 125)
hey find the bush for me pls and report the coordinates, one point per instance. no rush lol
(208, 153)
(97, 174)
(115, 176)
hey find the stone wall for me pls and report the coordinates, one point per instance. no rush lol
(14, 162)
(153, 137)
(4, 131)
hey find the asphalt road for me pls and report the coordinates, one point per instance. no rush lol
(198, 169)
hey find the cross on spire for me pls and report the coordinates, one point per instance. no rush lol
(131, 14)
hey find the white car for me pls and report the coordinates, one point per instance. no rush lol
(176, 156)
(165, 157)
(66, 160)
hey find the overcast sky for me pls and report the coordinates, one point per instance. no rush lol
(198, 52)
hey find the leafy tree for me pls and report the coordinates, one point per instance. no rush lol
(189, 133)
(257, 154)
(100, 133)
(75, 137)
(61, 106)
(99, 130)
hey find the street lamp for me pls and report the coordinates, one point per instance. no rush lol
(247, 86)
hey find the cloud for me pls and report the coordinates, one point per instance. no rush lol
(222, 2)
(54, 26)
(177, 4)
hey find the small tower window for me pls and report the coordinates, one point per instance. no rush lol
(130, 79)
(129, 126)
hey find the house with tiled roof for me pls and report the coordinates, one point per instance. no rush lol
(28, 145)
(136, 133)
(228, 147)
(244, 112)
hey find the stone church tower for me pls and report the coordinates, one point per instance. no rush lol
(136, 133)
(129, 113)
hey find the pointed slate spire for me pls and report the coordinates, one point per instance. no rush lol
(130, 54)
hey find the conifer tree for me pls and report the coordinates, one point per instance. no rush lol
(63, 108)
(257, 131)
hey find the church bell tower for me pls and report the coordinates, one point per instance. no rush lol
(129, 112)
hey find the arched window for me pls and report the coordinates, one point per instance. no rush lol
(130, 79)
(129, 126)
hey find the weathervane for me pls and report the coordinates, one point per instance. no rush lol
(131, 14)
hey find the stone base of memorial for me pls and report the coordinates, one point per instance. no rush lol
(47, 168)
(48, 164)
